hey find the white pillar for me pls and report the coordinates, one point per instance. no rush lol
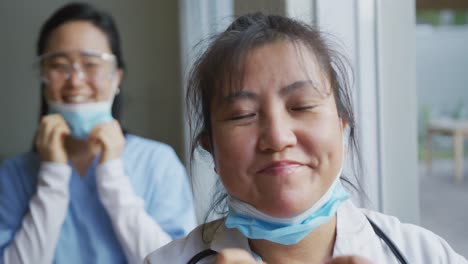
(396, 35)
(379, 38)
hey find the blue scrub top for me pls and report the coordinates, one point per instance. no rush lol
(155, 173)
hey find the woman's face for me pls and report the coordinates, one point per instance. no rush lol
(79, 47)
(277, 142)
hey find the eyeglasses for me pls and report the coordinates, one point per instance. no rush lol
(58, 67)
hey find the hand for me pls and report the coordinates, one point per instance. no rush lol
(50, 138)
(349, 260)
(234, 256)
(110, 139)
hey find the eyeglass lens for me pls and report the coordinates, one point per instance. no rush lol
(93, 67)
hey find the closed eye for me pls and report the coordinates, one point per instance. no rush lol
(242, 117)
(303, 108)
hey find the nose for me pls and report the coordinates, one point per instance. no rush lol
(76, 74)
(277, 133)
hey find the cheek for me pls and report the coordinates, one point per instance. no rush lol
(322, 139)
(233, 146)
(104, 90)
(104, 95)
(52, 93)
(234, 152)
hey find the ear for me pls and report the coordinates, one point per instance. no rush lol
(206, 143)
(344, 135)
(120, 74)
(117, 80)
(344, 124)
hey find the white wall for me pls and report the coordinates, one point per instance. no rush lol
(150, 37)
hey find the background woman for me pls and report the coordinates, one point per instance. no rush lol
(89, 193)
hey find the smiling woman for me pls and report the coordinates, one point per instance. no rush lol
(272, 106)
(78, 68)
(88, 193)
(278, 143)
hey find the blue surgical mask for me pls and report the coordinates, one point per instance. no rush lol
(82, 118)
(287, 231)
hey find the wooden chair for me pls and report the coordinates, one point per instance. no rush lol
(457, 129)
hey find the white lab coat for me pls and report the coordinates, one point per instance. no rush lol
(355, 236)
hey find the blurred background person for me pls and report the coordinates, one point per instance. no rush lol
(89, 192)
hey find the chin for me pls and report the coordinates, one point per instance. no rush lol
(287, 205)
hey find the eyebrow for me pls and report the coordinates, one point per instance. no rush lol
(286, 90)
(295, 86)
(240, 95)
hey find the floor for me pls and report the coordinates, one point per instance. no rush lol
(444, 204)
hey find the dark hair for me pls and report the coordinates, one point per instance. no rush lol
(83, 12)
(221, 65)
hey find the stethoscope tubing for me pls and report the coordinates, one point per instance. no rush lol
(201, 255)
(388, 241)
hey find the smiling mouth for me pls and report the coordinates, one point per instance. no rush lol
(77, 99)
(281, 168)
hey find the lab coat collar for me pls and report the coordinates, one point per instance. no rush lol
(229, 238)
(353, 230)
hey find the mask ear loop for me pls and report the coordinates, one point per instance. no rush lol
(344, 135)
(115, 87)
(115, 82)
(344, 143)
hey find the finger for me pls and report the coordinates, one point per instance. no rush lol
(98, 129)
(56, 132)
(49, 122)
(107, 133)
(95, 135)
(103, 126)
(105, 139)
(234, 256)
(114, 137)
(57, 136)
(349, 260)
(100, 132)
(38, 138)
(95, 131)
(41, 129)
(50, 138)
(44, 130)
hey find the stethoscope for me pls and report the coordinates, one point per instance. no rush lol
(209, 252)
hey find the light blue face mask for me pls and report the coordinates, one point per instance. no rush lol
(82, 118)
(287, 231)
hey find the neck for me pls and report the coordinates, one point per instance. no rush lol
(78, 150)
(314, 248)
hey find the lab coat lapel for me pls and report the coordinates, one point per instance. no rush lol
(354, 233)
(229, 238)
